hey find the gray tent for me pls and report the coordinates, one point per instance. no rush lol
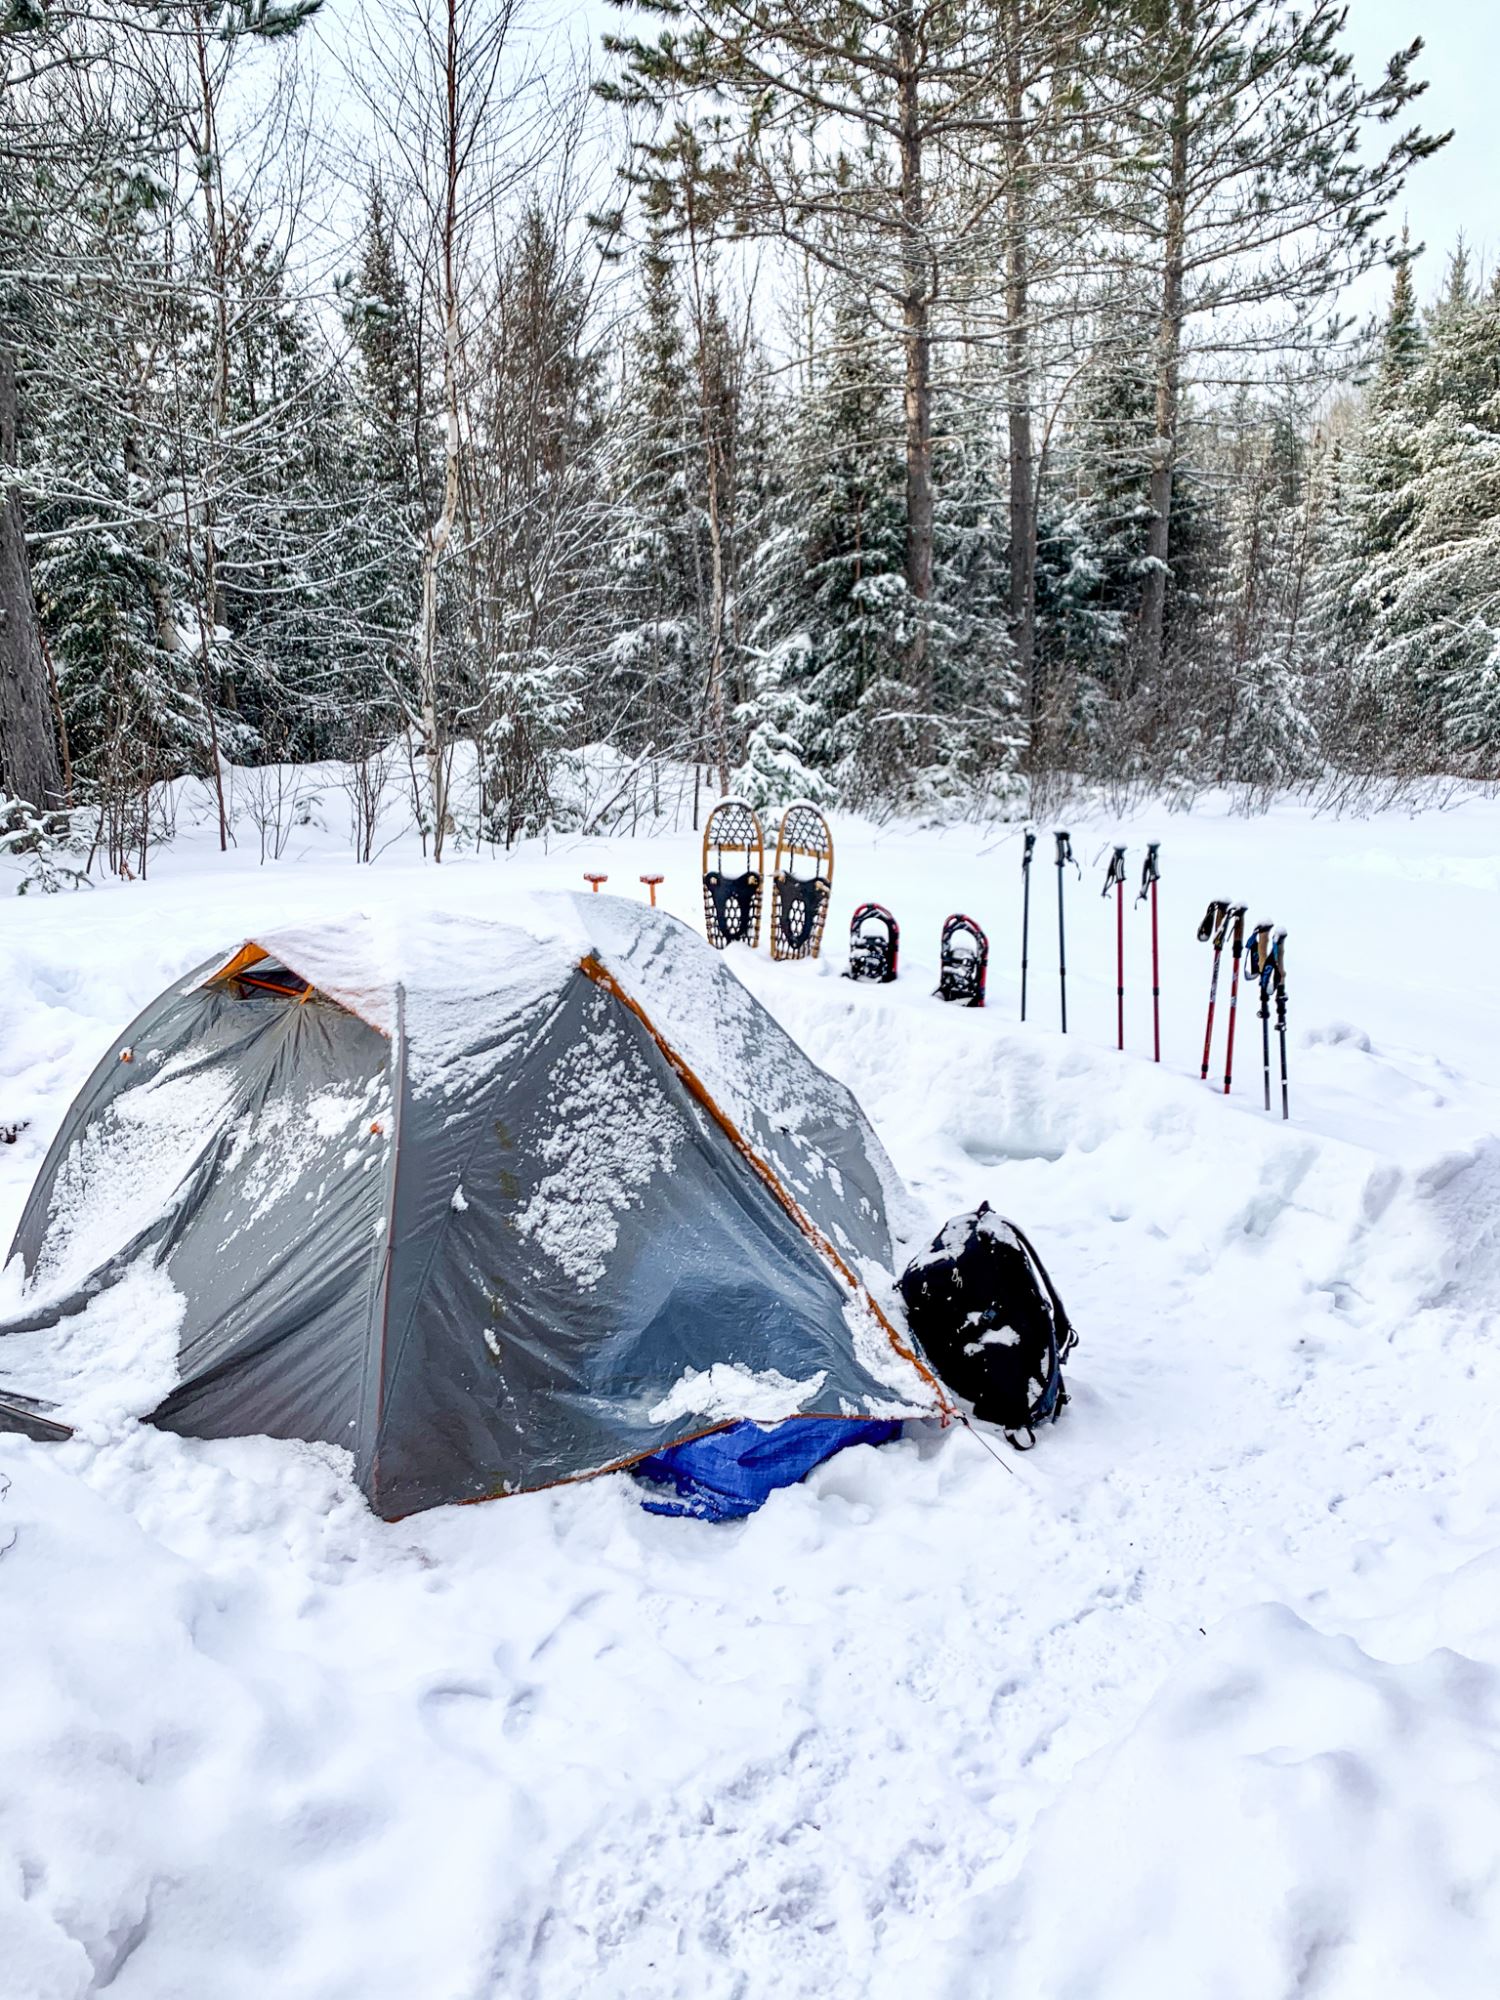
(493, 1205)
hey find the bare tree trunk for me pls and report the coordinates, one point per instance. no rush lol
(211, 605)
(1168, 357)
(717, 721)
(1019, 386)
(434, 746)
(28, 742)
(916, 331)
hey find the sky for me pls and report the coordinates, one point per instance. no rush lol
(1457, 190)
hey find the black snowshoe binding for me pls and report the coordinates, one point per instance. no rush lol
(874, 943)
(800, 903)
(965, 962)
(989, 1320)
(734, 900)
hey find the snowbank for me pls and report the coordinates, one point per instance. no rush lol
(1197, 1698)
(1289, 1816)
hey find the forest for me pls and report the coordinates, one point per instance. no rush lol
(920, 406)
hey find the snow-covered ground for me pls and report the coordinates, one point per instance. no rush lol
(1200, 1698)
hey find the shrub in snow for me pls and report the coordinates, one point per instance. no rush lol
(41, 842)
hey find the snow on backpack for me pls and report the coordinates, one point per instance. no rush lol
(990, 1321)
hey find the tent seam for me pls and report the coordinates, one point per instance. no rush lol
(593, 968)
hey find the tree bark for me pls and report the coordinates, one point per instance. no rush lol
(1168, 357)
(916, 326)
(29, 767)
(1018, 374)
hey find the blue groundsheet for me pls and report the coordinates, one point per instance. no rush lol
(730, 1473)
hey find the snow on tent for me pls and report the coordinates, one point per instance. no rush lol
(493, 1205)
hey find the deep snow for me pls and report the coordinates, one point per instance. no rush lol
(1201, 1697)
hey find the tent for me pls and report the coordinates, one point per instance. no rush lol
(491, 1204)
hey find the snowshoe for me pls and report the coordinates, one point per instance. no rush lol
(874, 942)
(799, 903)
(731, 894)
(965, 962)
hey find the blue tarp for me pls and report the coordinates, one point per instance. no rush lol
(730, 1473)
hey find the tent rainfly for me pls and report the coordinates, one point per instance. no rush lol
(490, 1204)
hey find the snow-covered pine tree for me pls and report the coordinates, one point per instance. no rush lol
(539, 514)
(655, 669)
(1248, 196)
(826, 589)
(390, 465)
(1253, 675)
(1428, 493)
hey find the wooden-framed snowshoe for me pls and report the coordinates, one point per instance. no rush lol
(874, 944)
(734, 867)
(799, 899)
(964, 964)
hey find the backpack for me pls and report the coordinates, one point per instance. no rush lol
(989, 1320)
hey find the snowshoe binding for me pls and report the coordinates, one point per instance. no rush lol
(874, 942)
(964, 963)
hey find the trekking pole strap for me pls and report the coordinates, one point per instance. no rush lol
(1115, 872)
(1150, 871)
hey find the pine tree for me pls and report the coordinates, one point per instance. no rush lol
(388, 469)
(657, 653)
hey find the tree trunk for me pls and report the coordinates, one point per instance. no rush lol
(1018, 373)
(916, 317)
(717, 719)
(440, 532)
(29, 766)
(1168, 358)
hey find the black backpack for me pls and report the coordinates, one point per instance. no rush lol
(989, 1320)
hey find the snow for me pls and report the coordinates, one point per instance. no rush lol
(612, 1134)
(1200, 1696)
(727, 1390)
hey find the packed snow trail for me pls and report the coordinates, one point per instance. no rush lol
(1161, 1707)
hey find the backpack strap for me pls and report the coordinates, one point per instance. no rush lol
(1065, 1334)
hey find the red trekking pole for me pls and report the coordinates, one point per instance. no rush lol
(1114, 878)
(1150, 876)
(1215, 925)
(1237, 911)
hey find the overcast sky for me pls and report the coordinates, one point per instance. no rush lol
(1458, 189)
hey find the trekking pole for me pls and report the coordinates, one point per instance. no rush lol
(1215, 925)
(1114, 878)
(653, 883)
(1258, 967)
(594, 881)
(1237, 947)
(1064, 855)
(1025, 910)
(1278, 949)
(1150, 876)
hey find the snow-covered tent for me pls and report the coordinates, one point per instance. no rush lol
(491, 1204)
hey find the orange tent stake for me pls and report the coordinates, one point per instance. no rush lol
(594, 881)
(652, 882)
